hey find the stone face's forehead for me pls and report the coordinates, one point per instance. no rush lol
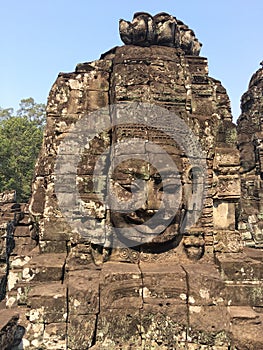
(142, 169)
(132, 168)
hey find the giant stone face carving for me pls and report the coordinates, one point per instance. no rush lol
(152, 182)
(149, 192)
(153, 178)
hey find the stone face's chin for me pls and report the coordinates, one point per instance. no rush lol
(194, 253)
(170, 233)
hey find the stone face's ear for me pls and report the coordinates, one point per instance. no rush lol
(165, 28)
(126, 34)
(140, 29)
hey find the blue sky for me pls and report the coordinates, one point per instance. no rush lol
(39, 39)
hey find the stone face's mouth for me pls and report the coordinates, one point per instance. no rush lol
(134, 218)
(139, 216)
(143, 221)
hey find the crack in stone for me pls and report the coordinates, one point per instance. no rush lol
(67, 319)
(187, 305)
(143, 302)
(8, 250)
(94, 335)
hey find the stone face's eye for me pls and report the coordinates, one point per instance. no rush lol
(195, 173)
(171, 188)
(132, 187)
(157, 180)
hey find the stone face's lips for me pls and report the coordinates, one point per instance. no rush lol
(161, 29)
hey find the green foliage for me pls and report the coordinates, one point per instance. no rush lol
(6, 113)
(21, 136)
(35, 112)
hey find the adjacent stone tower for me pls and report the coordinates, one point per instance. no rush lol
(250, 141)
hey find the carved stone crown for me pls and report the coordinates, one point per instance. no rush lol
(161, 29)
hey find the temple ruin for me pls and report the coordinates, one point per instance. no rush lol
(88, 263)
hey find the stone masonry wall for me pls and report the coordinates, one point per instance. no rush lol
(16, 242)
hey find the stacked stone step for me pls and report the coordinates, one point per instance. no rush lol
(16, 240)
(36, 291)
(7, 208)
(22, 271)
(16, 233)
(243, 279)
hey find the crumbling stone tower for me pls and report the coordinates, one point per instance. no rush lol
(250, 138)
(191, 286)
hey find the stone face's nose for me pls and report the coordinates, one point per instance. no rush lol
(154, 196)
(166, 30)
